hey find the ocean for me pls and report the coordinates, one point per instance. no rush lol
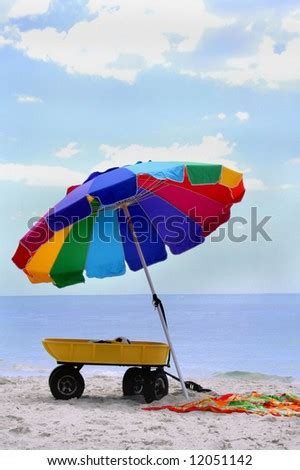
(212, 334)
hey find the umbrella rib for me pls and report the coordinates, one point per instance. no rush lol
(204, 196)
(147, 192)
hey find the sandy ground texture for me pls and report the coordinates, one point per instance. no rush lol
(103, 419)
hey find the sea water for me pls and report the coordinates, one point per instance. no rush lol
(232, 334)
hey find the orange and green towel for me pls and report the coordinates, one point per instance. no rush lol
(252, 403)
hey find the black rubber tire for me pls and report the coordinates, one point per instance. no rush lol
(133, 381)
(156, 386)
(66, 382)
(60, 367)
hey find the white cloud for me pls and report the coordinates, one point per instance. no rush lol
(287, 186)
(221, 116)
(123, 38)
(266, 66)
(212, 149)
(21, 8)
(189, 73)
(4, 41)
(255, 184)
(28, 99)
(294, 161)
(242, 115)
(40, 175)
(68, 151)
(291, 22)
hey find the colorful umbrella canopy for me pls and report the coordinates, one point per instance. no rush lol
(171, 204)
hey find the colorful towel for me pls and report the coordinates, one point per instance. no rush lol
(253, 403)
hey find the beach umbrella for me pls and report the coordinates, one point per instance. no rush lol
(129, 216)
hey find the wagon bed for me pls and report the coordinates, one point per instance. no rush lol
(93, 352)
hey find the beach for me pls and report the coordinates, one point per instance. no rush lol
(103, 419)
(229, 343)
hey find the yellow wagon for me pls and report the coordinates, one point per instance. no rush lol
(146, 359)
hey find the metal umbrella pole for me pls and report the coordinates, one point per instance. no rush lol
(159, 308)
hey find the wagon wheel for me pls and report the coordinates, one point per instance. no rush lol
(66, 382)
(133, 381)
(62, 366)
(156, 386)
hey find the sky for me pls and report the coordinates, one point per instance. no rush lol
(89, 84)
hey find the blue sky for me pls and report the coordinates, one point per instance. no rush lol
(90, 84)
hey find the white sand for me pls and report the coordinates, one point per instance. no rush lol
(102, 419)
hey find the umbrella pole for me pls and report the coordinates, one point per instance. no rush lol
(160, 312)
